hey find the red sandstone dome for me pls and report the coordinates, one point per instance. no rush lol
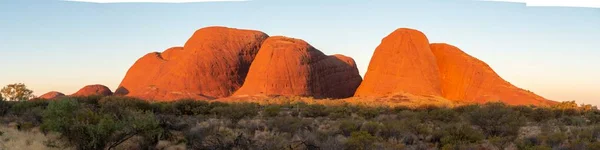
(402, 63)
(212, 64)
(91, 90)
(291, 67)
(469, 79)
(52, 95)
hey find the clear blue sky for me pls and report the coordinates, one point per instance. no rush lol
(57, 45)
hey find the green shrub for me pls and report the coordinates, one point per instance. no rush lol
(408, 130)
(86, 129)
(4, 107)
(117, 105)
(191, 107)
(92, 101)
(29, 111)
(272, 110)
(218, 104)
(573, 120)
(444, 115)
(565, 111)
(457, 134)
(496, 119)
(416, 127)
(467, 109)
(313, 111)
(369, 113)
(524, 110)
(339, 112)
(236, 111)
(165, 108)
(289, 124)
(105, 122)
(542, 114)
(217, 138)
(398, 109)
(409, 114)
(593, 116)
(392, 129)
(361, 140)
(527, 145)
(23, 106)
(371, 127)
(556, 139)
(347, 126)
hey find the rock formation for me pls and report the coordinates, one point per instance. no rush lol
(466, 78)
(52, 95)
(92, 90)
(291, 67)
(212, 64)
(405, 62)
(402, 63)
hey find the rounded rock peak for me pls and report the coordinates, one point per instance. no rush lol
(286, 40)
(348, 60)
(282, 42)
(408, 30)
(52, 95)
(287, 66)
(293, 46)
(171, 53)
(219, 36)
(403, 62)
(96, 89)
(219, 33)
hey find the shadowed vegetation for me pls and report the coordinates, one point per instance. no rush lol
(127, 123)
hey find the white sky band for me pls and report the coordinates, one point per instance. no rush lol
(555, 3)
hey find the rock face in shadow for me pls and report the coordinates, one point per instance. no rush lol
(292, 67)
(212, 64)
(402, 63)
(52, 95)
(466, 78)
(92, 90)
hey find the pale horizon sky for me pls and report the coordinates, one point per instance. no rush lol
(54, 45)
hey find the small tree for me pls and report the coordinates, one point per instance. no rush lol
(16, 92)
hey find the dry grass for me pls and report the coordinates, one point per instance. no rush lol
(397, 100)
(13, 139)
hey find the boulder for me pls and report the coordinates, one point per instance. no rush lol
(52, 95)
(92, 90)
(292, 67)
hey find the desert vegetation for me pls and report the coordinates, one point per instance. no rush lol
(97, 122)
